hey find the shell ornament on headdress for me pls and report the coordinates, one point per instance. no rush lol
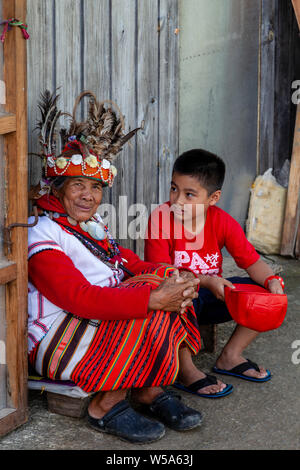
(89, 148)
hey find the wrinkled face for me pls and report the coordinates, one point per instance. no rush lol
(189, 199)
(80, 197)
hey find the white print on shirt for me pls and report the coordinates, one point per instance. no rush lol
(212, 259)
(197, 264)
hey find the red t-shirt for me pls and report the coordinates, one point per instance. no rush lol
(166, 241)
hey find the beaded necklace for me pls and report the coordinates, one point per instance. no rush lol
(105, 253)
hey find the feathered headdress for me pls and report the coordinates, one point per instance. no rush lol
(89, 147)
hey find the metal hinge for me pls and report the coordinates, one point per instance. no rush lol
(7, 230)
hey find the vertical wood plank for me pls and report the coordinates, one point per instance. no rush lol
(123, 93)
(286, 66)
(297, 246)
(291, 219)
(97, 53)
(2, 83)
(96, 49)
(68, 37)
(290, 243)
(3, 366)
(168, 94)
(266, 86)
(16, 159)
(18, 294)
(40, 70)
(147, 107)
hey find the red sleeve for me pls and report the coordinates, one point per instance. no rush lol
(157, 247)
(134, 263)
(56, 277)
(158, 251)
(237, 244)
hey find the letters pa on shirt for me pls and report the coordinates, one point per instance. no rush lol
(209, 265)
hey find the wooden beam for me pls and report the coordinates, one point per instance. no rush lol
(6, 412)
(10, 419)
(8, 273)
(8, 124)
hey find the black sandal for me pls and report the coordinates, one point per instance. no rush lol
(168, 409)
(124, 422)
(206, 381)
(238, 371)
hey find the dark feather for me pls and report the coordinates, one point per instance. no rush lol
(103, 128)
(47, 102)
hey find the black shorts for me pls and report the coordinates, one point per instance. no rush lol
(210, 310)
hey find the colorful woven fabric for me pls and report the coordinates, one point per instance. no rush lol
(112, 355)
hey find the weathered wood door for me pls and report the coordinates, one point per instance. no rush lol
(126, 51)
(13, 209)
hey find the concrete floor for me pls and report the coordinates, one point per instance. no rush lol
(254, 416)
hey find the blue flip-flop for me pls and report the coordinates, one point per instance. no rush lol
(239, 370)
(208, 380)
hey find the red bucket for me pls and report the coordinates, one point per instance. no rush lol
(255, 307)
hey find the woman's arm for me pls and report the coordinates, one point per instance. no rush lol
(56, 277)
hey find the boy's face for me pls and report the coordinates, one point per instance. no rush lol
(189, 199)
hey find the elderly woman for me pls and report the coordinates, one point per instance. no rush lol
(98, 314)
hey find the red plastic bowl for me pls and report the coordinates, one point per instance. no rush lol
(255, 307)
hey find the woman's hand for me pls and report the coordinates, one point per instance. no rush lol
(216, 285)
(187, 275)
(174, 294)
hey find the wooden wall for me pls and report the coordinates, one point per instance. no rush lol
(123, 50)
(279, 67)
(127, 51)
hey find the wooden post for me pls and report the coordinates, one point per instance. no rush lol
(296, 5)
(291, 222)
(15, 150)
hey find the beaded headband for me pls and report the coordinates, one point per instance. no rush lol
(89, 147)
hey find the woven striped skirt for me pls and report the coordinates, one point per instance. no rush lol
(111, 355)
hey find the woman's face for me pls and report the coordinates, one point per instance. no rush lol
(80, 197)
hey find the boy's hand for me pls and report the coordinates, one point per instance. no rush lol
(274, 287)
(216, 285)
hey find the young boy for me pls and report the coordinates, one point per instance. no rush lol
(190, 231)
